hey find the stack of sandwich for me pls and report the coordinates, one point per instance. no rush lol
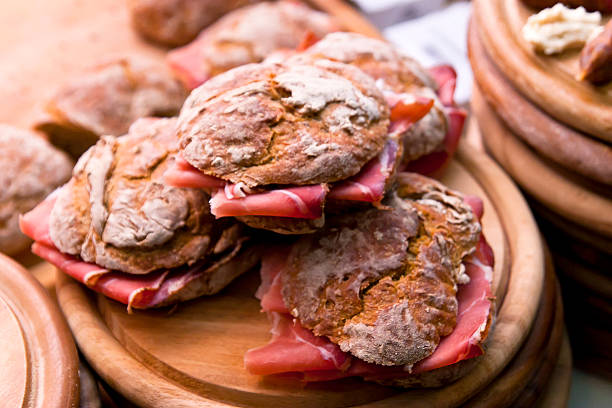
(544, 106)
(294, 186)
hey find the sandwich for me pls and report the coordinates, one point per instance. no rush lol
(116, 227)
(422, 105)
(247, 35)
(400, 296)
(176, 22)
(107, 99)
(31, 169)
(275, 143)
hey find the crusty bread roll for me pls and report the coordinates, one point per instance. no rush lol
(397, 75)
(31, 169)
(288, 124)
(176, 22)
(117, 213)
(247, 35)
(107, 99)
(382, 283)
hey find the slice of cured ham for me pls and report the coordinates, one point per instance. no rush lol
(293, 202)
(136, 291)
(370, 183)
(188, 65)
(288, 355)
(182, 174)
(434, 163)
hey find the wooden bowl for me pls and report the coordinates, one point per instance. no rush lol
(548, 81)
(38, 363)
(195, 355)
(566, 147)
(563, 196)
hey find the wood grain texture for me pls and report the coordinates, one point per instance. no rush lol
(195, 355)
(39, 360)
(548, 81)
(556, 393)
(541, 348)
(557, 142)
(563, 196)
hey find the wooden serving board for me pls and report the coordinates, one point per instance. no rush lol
(38, 361)
(563, 196)
(556, 393)
(566, 147)
(194, 356)
(548, 81)
(531, 367)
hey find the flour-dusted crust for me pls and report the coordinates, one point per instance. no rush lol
(296, 124)
(176, 22)
(30, 168)
(107, 100)
(382, 283)
(117, 213)
(251, 33)
(394, 72)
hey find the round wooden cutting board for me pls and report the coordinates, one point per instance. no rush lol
(562, 195)
(547, 80)
(194, 355)
(557, 142)
(38, 361)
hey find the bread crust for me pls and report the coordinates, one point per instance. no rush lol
(107, 99)
(382, 283)
(31, 169)
(251, 33)
(176, 22)
(117, 213)
(284, 124)
(394, 72)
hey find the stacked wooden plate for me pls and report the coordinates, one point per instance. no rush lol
(553, 135)
(38, 358)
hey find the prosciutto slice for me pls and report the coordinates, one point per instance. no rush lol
(182, 174)
(287, 355)
(136, 291)
(433, 164)
(370, 183)
(187, 63)
(294, 202)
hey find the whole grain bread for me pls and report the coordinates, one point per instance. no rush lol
(397, 75)
(107, 99)
(382, 283)
(117, 213)
(287, 124)
(30, 169)
(176, 22)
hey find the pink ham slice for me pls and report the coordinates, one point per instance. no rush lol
(136, 291)
(290, 361)
(370, 183)
(433, 164)
(182, 174)
(446, 78)
(188, 63)
(304, 202)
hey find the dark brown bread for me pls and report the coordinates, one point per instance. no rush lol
(176, 22)
(107, 100)
(30, 168)
(116, 212)
(297, 124)
(382, 283)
